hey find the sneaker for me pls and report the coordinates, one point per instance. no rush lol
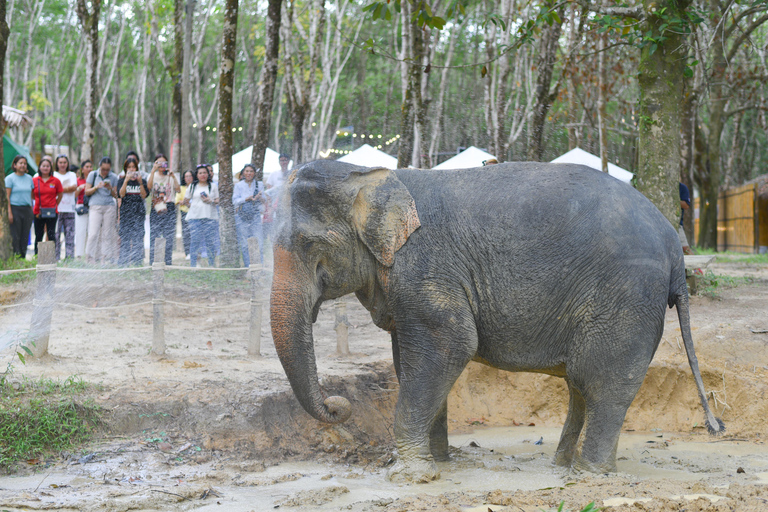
(186, 257)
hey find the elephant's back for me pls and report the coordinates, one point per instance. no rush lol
(539, 218)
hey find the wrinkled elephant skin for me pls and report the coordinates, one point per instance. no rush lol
(548, 268)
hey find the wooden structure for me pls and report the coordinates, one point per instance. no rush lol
(742, 218)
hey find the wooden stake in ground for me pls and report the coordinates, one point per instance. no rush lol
(158, 298)
(254, 339)
(40, 328)
(342, 327)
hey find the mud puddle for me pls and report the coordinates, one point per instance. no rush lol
(485, 463)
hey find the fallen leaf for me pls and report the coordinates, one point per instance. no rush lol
(210, 345)
(191, 364)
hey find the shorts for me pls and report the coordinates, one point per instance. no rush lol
(683, 238)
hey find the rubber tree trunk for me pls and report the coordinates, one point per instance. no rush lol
(291, 303)
(176, 68)
(661, 76)
(688, 132)
(89, 21)
(267, 84)
(413, 87)
(186, 123)
(6, 251)
(544, 97)
(710, 186)
(230, 253)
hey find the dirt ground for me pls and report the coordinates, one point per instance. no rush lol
(208, 427)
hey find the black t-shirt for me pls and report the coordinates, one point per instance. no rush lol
(132, 203)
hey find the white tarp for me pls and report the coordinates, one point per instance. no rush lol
(467, 159)
(239, 159)
(368, 156)
(579, 156)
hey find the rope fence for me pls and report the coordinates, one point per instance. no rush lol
(44, 302)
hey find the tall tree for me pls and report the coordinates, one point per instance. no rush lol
(267, 84)
(186, 137)
(5, 233)
(661, 77)
(176, 73)
(229, 248)
(89, 20)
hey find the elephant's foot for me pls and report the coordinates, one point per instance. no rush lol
(581, 464)
(414, 470)
(439, 449)
(563, 458)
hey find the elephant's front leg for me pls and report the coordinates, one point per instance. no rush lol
(430, 360)
(438, 436)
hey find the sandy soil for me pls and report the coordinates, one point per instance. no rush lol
(207, 426)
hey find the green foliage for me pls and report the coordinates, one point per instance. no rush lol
(43, 417)
(591, 507)
(16, 263)
(711, 284)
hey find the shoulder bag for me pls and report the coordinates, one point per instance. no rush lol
(45, 213)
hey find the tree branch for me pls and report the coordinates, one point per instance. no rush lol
(744, 35)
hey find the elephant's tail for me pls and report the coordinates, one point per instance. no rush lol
(680, 299)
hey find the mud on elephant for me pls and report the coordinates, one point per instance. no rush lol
(548, 268)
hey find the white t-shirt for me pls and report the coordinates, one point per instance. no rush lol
(197, 208)
(276, 179)
(69, 179)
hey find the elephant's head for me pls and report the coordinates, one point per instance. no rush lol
(338, 225)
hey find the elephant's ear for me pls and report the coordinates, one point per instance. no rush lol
(383, 212)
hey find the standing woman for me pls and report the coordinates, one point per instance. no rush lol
(132, 190)
(162, 217)
(202, 197)
(249, 204)
(66, 219)
(189, 177)
(47, 192)
(19, 187)
(101, 189)
(81, 209)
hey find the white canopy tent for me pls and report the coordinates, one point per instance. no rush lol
(467, 159)
(369, 156)
(579, 156)
(239, 159)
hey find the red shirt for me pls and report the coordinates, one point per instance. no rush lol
(81, 197)
(45, 193)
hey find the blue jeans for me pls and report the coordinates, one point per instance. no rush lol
(202, 230)
(246, 230)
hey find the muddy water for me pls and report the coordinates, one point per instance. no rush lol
(129, 477)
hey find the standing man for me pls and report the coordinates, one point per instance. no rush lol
(271, 187)
(685, 204)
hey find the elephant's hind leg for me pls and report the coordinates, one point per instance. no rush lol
(574, 422)
(438, 435)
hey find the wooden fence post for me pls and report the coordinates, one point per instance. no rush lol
(342, 327)
(158, 298)
(254, 334)
(40, 328)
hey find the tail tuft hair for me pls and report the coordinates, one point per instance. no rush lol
(716, 431)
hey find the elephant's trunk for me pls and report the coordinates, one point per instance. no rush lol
(291, 306)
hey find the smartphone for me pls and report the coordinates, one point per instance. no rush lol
(204, 194)
(164, 165)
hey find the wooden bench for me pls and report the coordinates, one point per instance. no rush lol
(693, 263)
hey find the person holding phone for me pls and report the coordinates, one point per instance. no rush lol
(101, 189)
(248, 200)
(201, 198)
(66, 218)
(132, 190)
(163, 187)
(188, 179)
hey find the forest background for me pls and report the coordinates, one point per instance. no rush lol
(670, 90)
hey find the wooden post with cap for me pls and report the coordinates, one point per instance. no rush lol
(40, 327)
(158, 298)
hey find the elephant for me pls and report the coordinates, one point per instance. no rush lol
(550, 268)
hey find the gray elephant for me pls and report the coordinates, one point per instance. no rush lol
(548, 268)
